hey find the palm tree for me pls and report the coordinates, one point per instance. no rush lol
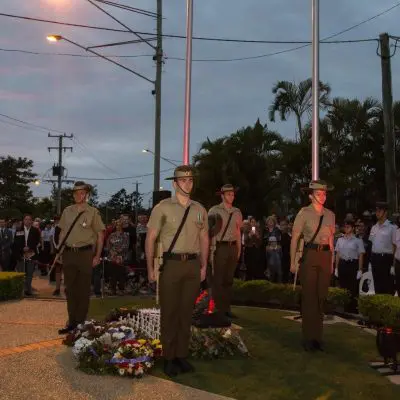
(297, 99)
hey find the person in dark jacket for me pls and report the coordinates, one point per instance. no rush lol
(25, 248)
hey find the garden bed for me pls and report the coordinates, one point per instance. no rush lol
(11, 285)
(263, 293)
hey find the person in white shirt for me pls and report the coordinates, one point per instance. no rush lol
(349, 262)
(396, 242)
(381, 237)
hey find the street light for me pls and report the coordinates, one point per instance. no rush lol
(54, 38)
(172, 162)
(156, 92)
(36, 182)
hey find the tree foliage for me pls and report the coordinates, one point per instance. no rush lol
(270, 169)
(16, 176)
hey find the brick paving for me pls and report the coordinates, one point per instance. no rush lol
(35, 365)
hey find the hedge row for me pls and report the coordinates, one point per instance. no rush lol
(11, 285)
(260, 292)
(381, 310)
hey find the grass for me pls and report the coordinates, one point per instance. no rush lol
(99, 308)
(279, 368)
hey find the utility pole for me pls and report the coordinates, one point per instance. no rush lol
(59, 169)
(158, 58)
(388, 121)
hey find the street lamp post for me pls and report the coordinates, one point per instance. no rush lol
(172, 162)
(156, 91)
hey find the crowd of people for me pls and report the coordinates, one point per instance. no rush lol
(368, 242)
(30, 244)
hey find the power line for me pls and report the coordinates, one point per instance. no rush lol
(129, 8)
(88, 151)
(38, 53)
(119, 178)
(137, 34)
(78, 142)
(30, 124)
(183, 59)
(214, 39)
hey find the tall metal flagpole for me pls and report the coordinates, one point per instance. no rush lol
(188, 82)
(315, 89)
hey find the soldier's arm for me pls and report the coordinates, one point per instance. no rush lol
(204, 243)
(149, 248)
(296, 232)
(204, 249)
(239, 234)
(99, 244)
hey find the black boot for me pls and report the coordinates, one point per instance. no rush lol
(308, 345)
(67, 329)
(170, 369)
(318, 345)
(184, 365)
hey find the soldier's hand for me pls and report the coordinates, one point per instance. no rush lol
(293, 268)
(96, 261)
(203, 273)
(151, 276)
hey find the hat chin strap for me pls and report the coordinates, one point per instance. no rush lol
(181, 190)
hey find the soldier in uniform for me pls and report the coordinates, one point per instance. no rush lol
(227, 244)
(317, 263)
(184, 266)
(81, 253)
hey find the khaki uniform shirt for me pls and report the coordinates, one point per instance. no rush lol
(235, 224)
(166, 218)
(86, 229)
(306, 223)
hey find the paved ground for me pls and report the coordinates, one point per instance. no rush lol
(34, 365)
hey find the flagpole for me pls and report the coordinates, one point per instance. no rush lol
(315, 89)
(188, 81)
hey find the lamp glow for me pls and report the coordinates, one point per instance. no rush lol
(54, 38)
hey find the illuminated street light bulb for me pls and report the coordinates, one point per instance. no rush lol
(36, 182)
(145, 151)
(54, 38)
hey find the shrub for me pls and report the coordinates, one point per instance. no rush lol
(261, 292)
(382, 310)
(11, 285)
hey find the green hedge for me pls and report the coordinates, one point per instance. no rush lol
(11, 285)
(382, 310)
(261, 293)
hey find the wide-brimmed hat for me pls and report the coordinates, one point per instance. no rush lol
(182, 171)
(318, 184)
(80, 185)
(227, 188)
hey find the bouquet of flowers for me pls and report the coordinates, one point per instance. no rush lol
(216, 343)
(121, 313)
(135, 357)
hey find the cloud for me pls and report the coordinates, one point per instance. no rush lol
(111, 111)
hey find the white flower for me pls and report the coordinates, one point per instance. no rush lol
(121, 372)
(118, 335)
(130, 370)
(80, 345)
(105, 339)
(148, 365)
(227, 334)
